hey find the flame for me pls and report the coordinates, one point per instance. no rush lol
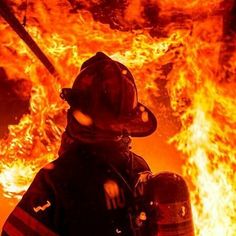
(209, 144)
(190, 39)
(207, 111)
(36, 138)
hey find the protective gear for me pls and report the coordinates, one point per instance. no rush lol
(88, 191)
(96, 185)
(105, 92)
(168, 206)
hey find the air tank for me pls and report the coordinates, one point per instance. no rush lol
(168, 206)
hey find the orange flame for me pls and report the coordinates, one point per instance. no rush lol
(207, 137)
(204, 104)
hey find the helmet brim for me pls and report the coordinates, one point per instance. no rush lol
(140, 123)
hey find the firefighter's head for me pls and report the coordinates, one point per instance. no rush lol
(104, 99)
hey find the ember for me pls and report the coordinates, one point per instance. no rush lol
(182, 50)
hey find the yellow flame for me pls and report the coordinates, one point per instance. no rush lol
(207, 110)
(211, 161)
(205, 105)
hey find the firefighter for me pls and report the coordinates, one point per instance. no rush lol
(92, 187)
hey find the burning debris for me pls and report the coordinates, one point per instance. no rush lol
(183, 55)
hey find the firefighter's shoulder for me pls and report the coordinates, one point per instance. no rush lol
(138, 163)
(33, 214)
(38, 212)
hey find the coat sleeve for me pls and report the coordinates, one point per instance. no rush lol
(36, 213)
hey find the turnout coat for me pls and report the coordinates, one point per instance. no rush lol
(90, 190)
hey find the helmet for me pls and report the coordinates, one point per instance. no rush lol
(105, 91)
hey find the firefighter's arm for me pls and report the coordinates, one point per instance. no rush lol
(35, 213)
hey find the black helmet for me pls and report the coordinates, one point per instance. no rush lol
(105, 91)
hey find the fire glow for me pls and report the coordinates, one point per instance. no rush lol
(200, 85)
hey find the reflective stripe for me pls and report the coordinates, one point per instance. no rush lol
(11, 230)
(32, 223)
(174, 213)
(183, 229)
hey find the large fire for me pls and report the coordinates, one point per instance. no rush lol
(186, 45)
